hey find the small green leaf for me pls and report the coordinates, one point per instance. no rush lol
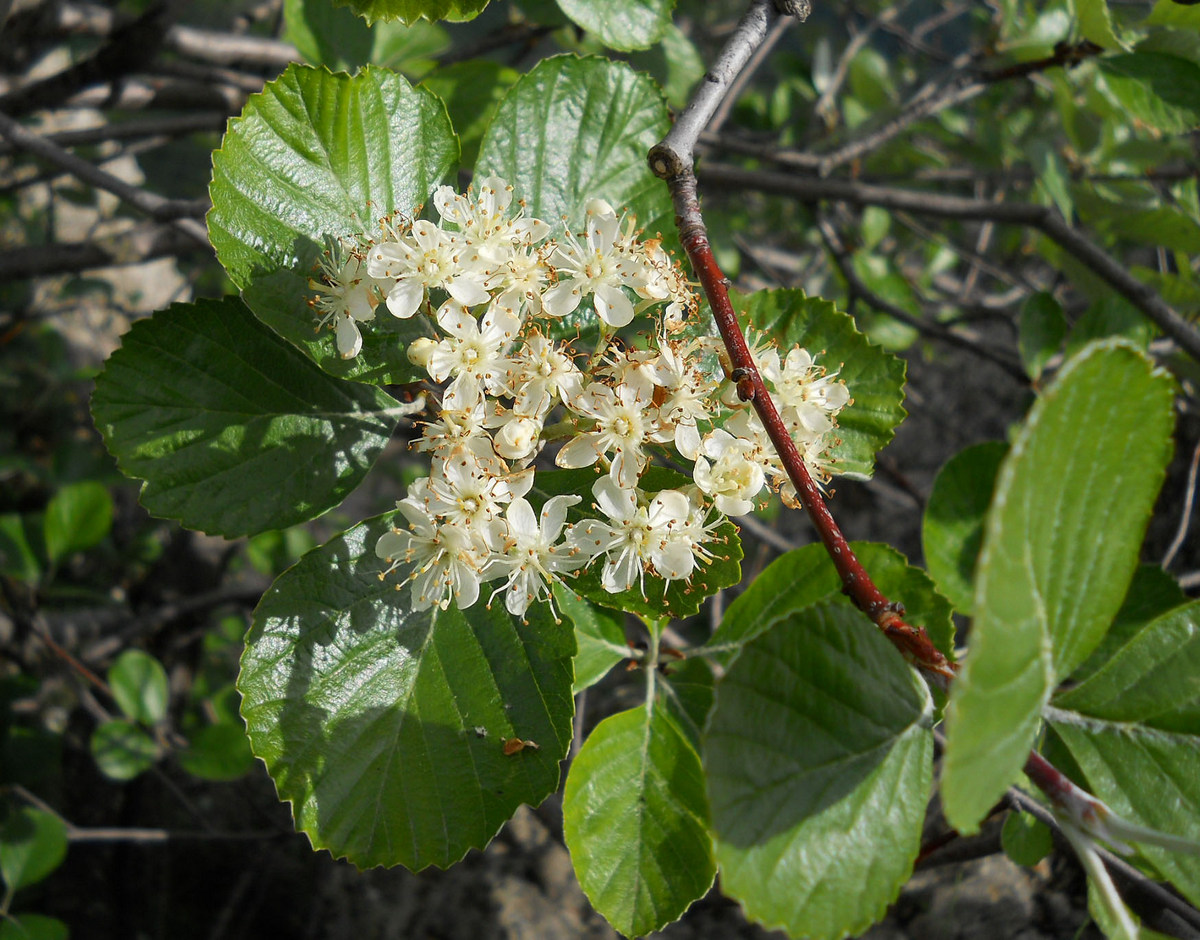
(653, 597)
(622, 24)
(952, 529)
(384, 727)
(1060, 546)
(806, 575)
(334, 37)
(1134, 729)
(472, 91)
(1095, 23)
(1041, 332)
(636, 821)
(409, 11)
(1157, 88)
(18, 556)
(33, 927)
(819, 756)
(312, 156)
(122, 750)
(1152, 593)
(218, 752)
(232, 429)
(77, 517)
(1110, 317)
(139, 685)
(32, 844)
(576, 129)
(599, 637)
(1026, 840)
(874, 377)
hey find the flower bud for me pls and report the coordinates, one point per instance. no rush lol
(419, 351)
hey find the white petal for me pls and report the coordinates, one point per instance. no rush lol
(455, 320)
(468, 290)
(405, 298)
(612, 306)
(521, 520)
(554, 514)
(579, 452)
(674, 560)
(561, 299)
(617, 503)
(349, 339)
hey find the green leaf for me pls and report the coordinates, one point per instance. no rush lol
(818, 755)
(1095, 23)
(806, 575)
(1158, 89)
(576, 129)
(1174, 13)
(952, 529)
(674, 599)
(18, 556)
(1026, 840)
(1152, 593)
(599, 637)
(624, 25)
(472, 91)
(1041, 332)
(409, 11)
(1060, 546)
(384, 727)
(675, 63)
(77, 517)
(688, 695)
(1134, 730)
(32, 844)
(1111, 316)
(232, 429)
(218, 752)
(139, 686)
(636, 821)
(334, 37)
(874, 377)
(33, 927)
(317, 156)
(122, 750)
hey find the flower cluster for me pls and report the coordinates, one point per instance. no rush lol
(493, 283)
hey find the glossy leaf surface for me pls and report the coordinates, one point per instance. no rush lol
(384, 727)
(233, 430)
(636, 821)
(818, 755)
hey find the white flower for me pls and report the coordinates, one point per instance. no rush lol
(457, 429)
(483, 223)
(444, 559)
(735, 477)
(347, 296)
(531, 559)
(597, 266)
(543, 373)
(428, 258)
(636, 536)
(623, 425)
(469, 491)
(809, 397)
(473, 352)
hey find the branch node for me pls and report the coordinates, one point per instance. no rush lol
(664, 162)
(797, 8)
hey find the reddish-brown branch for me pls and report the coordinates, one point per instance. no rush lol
(913, 641)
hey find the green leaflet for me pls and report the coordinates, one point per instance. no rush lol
(636, 821)
(384, 728)
(317, 156)
(1060, 546)
(818, 756)
(233, 430)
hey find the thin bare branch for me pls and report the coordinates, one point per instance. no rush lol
(143, 243)
(1045, 219)
(180, 213)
